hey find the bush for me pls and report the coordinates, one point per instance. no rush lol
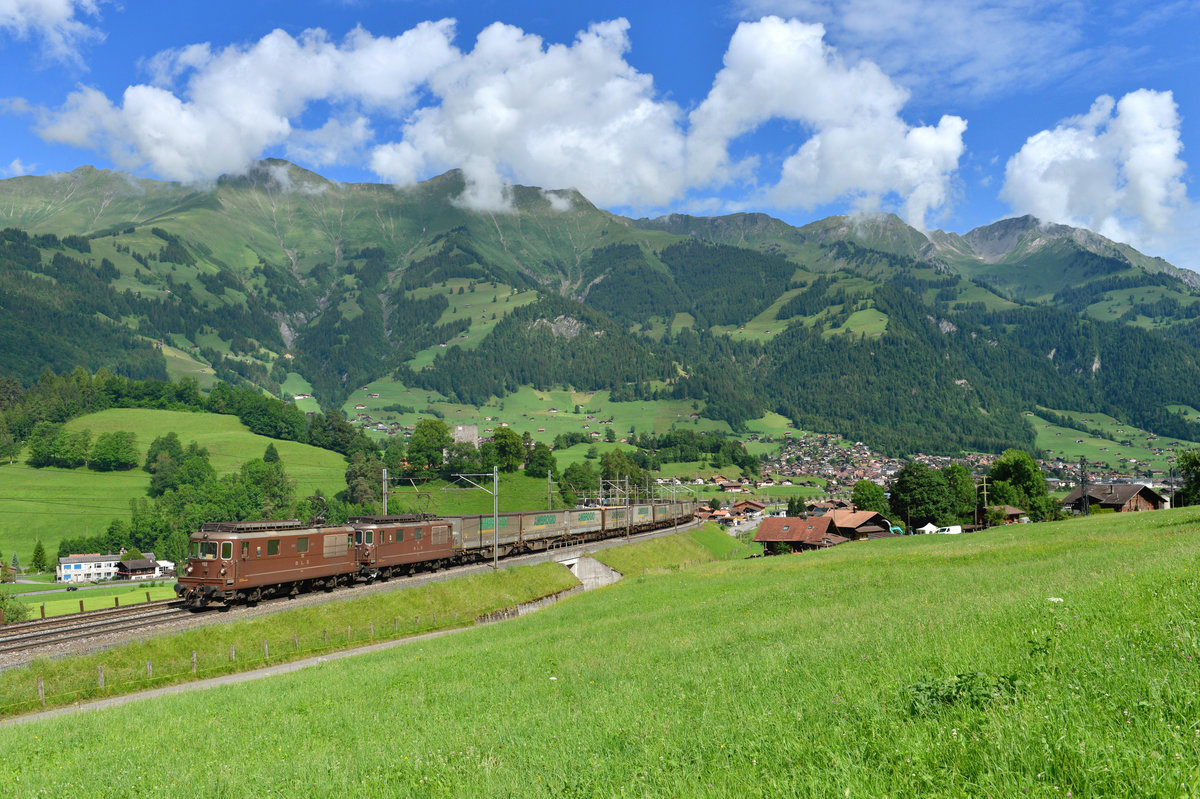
(14, 609)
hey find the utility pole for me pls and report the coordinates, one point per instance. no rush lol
(1083, 487)
(495, 492)
(385, 490)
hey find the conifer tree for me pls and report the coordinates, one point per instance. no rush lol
(38, 562)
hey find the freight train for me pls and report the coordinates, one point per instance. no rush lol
(244, 562)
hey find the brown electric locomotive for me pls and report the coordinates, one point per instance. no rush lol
(243, 562)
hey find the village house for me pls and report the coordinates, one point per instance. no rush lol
(1011, 515)
(94, 568)
(856, 525)
(1120, 497)
(138, 569)
(749, 508)
(815, 532)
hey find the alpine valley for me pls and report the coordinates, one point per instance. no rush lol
(908, 341)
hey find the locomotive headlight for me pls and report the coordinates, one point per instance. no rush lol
(189, 568)
(222, 571)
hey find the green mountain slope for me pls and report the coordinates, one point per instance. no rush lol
(862, 325)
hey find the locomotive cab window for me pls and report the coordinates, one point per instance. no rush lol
(399, 536)
(273, 546)
(206, 550)
(358, 536)
(370, 536)
(301, 546)
(226, 550)
(245, 549)
(417, 534)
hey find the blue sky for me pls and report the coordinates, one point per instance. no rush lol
(951, 113)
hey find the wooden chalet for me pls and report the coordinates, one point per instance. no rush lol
(856, 525)
(1120, 497)
(749, 507)
(1011, 515)
(813, 532)
(137, 569)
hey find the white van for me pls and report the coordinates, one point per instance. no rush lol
(952, 530)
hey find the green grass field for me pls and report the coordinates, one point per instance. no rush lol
(1034, 660)
(53, 504)
(542, 414)
(485, 306)
(1122, 446)
(64, 603)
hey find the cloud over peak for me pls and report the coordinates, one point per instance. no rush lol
(518, 109)
(1116, 169)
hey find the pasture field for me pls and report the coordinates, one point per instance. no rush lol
(296, 384)
(63, 603)
(1121, 446)
(486, 305)
(542, 414)
(180, 364)
(53, 504)
(1031, 660)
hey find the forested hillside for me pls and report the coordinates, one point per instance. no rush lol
(865, 326)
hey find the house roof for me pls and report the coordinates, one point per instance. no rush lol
(818, 531)
(142, 563)
(848, 518)
(93, 558)
(1114, 494)
(1008, 510)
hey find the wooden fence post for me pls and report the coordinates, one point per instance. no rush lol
(295, 642)
(325, 636)
(347, 633)
(395, 624)
(149, 670)
(100, 677)
(266, 650)
(43, 610)
(372, 631)
(232, 652)
(116, 602)
(41, 692)
(147, 596)
(81, 606)
(193, 661)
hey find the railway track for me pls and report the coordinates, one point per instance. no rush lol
(44, 632)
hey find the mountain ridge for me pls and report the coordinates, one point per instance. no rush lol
(281, 271)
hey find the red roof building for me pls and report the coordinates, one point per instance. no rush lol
(814, 532)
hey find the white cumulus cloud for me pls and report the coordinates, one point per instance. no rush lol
(560, 116)
(860, 148)
(1116, 169)
(56, 23)
(517, 109)
(239, 102)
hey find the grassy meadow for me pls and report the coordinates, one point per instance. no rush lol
(1033, 660)
(52, 504)
(542, 414)
(64, 603)
(1121, 446)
